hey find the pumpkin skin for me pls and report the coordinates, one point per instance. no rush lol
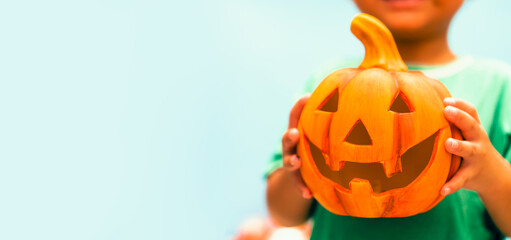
(372, 138)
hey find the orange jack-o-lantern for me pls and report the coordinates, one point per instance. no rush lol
(372, 138)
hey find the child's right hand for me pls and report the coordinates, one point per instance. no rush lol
(290, 139)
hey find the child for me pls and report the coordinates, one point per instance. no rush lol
(482, 111)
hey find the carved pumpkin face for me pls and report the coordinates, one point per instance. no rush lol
(372, 138)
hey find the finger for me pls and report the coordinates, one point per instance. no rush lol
(463, 149)
(456, 182)
(289, 141)
(462, 105)
(469, 127)
(297, 110)
(292, 163)
(304, 190)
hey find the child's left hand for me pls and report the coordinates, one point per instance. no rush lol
(483, 169)
(479, 169)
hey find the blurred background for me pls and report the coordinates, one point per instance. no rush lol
(146, 119)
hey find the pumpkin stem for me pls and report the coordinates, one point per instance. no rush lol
(381, 50)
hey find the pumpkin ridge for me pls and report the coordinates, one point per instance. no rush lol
(437, 91)
(389, 207)
(396, 146)
(353, 74)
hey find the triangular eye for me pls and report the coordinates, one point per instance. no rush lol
(401, 104)
(359, 135)
(330, 103)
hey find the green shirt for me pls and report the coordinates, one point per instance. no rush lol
(487, 85)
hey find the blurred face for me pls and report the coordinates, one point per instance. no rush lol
(412, 19)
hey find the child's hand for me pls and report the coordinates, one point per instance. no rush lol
(289, 141)
(481, 161)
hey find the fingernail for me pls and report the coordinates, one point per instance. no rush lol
(294, 132)
(449, 101)
(446, 191)
(307, 194)
(450, 110)
(453, 143)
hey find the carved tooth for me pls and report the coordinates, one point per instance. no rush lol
(360, 187)
(341, 165)
(392, 167)
(334, 166)
(364, 201)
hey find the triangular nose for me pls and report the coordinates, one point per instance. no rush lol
(359, 135)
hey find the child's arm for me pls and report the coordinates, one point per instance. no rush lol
(288, 199)
(483, 169)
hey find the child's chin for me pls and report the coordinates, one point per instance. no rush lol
(401, 25)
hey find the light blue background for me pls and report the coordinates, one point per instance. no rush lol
(154, 119)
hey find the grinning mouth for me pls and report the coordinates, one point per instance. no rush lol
(413, 162)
